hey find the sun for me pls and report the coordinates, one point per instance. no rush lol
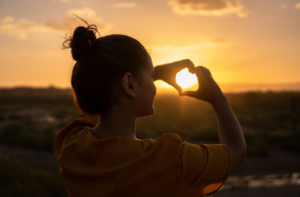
(185, 79)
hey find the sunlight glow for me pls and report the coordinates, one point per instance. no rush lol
(185, 79)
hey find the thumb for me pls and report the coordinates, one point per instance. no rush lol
(178, 88)
(189, 93)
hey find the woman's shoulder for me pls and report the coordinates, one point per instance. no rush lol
(162, 138)
(166, 143)
(88, 120)
(170, 136)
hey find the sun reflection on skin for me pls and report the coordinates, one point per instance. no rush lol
(186, 79)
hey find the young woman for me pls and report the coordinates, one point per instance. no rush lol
(113, 79)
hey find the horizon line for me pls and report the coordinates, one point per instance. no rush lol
(226, 88)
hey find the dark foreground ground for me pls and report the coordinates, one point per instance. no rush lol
(288, 191)
(277, 175)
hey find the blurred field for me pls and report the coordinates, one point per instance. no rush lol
(30, 119)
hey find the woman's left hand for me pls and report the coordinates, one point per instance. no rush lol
(167, 72)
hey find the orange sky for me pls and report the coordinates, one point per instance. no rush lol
(246, 44)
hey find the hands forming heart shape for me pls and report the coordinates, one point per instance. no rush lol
(168, 72)
(208, 89)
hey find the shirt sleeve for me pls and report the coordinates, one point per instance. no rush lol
(205, 167)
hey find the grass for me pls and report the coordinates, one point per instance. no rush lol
(20, 179)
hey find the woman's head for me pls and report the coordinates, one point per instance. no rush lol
(108, 69)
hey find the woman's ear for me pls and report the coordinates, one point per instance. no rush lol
(129, 84)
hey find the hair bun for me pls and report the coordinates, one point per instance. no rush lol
(81, 42)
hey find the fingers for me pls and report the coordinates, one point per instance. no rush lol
(189, 64)
(207, 72)
(201, 74)
(186, 63)
(204, 73)
(178, 88)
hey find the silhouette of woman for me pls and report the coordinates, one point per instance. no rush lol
(113, 79)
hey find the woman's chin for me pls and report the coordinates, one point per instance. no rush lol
(147, 113)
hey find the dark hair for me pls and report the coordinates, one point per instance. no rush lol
(101, 63)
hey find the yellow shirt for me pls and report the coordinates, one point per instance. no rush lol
(122, 166)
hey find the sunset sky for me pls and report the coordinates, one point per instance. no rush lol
(247, 43)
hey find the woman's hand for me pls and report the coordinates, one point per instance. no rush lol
(167, 72)
(208, 89)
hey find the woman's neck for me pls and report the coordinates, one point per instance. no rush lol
(115, 123)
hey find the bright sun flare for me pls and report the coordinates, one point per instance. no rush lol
(186, 79)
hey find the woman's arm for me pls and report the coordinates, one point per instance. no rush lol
(230, 131)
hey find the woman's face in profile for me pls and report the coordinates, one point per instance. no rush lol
(146, 91)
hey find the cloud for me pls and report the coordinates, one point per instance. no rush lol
(208, 7)
(7, 19)
(21, 28)
(125, 5)
(283, 6)
(298, 5)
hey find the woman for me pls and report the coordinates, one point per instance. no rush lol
(113, 78)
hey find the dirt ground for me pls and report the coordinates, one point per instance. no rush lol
(287, 191)
(277, 175)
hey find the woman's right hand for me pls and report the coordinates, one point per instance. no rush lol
(208, 89)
